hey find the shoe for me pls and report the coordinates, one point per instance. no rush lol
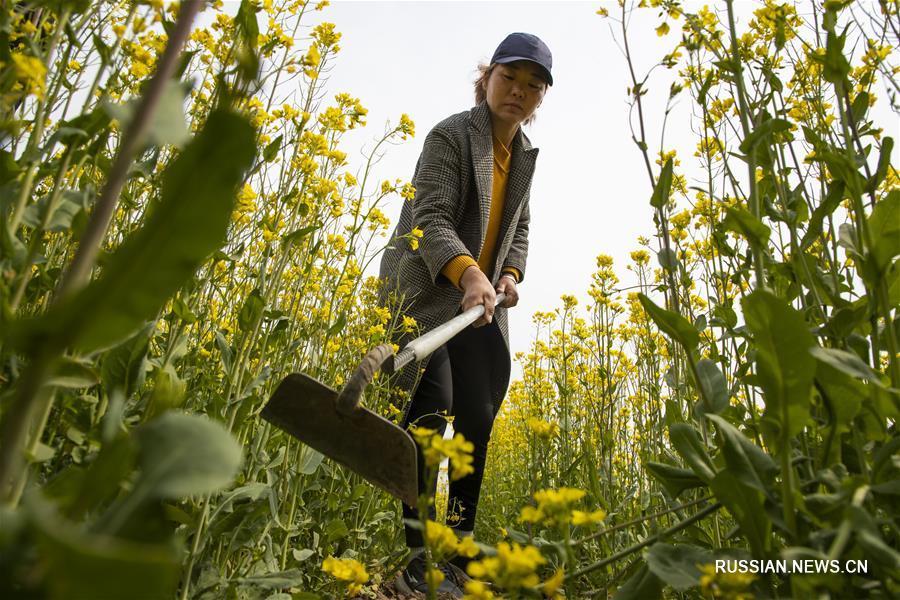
(461, 564)
(412, 579)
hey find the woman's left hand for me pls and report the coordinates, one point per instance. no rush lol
(507, 285)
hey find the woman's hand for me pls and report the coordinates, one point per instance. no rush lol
(477, 290)
(507, 285)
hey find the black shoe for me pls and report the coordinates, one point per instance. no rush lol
(462, 563)
(412, 579)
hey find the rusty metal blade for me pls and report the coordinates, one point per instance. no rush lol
(364, 442)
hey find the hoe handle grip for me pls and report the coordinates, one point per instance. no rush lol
(424, 345)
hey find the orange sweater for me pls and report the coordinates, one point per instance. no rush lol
(454, 268)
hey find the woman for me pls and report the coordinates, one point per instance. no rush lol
(472, 185)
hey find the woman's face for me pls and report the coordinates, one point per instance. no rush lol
(514, 91)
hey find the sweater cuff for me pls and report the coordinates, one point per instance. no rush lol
(514, 272)
(455, 267)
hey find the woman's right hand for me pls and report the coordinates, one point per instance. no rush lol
(477, 290)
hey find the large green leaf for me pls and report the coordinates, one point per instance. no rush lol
(846, 362)
(747, 461)
(688, 444)
(784, 366)
(183, 228)
(643, 585)
(181, 455)
(672, 324)
(746, 506)
(712, 384)
(123, 366)
(76, 564)
(677, 564)
(674, 479)
(884, 229)
(742, 222)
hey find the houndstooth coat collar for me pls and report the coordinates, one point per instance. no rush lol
(454, 180)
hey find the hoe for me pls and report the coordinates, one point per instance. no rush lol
(335, 424)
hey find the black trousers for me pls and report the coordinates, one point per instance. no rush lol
(457, 381)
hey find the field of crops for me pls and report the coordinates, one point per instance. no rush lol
(181, 230)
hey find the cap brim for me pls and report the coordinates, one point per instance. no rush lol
(509, 59)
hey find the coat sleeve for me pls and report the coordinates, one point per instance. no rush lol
(518, 249)
(437, 203)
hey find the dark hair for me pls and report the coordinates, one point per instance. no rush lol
(484, 73)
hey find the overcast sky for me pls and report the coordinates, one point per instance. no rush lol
(590, 193)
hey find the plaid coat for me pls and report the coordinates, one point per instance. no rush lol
(453, 181)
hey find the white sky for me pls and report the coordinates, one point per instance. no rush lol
(590, 193)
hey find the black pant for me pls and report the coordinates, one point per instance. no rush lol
(457, 381)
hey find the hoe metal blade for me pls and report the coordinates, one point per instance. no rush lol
(337, 426)
(362, 441)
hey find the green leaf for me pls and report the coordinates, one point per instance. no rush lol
(674, 479)
(742, 222)
(846, 362)
(277, 580)
(884, 161)
(251, 311)
(123, 366)
(844, 170)
(747, 461)
(884, 229)
(643, 585)
(61, 214)
(763, 133)
(746, 506)
(690, 447)
(272, 148)
(250, 492)
(309, 461)
(301, 555)
(74, 374)
(181, 455)
(338, 325)
(79, 564)
(859, 107)
(9, 168)
(843, 397)
(167, 126)
(168, 392)
(715, 390)
(299, 234)
(784, 366)
(187, 224)
(183, 311)
(677, 564)
(667, 259)
(58, 6)
(672, 324)
(663, 186)
(335, 529)
(103, 478)
(826, 207)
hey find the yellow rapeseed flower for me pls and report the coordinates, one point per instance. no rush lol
(347, 570)
(730, 586)
(552, 585)
(513, 568)
(30, 73)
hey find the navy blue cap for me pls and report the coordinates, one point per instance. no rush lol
(524, 46)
